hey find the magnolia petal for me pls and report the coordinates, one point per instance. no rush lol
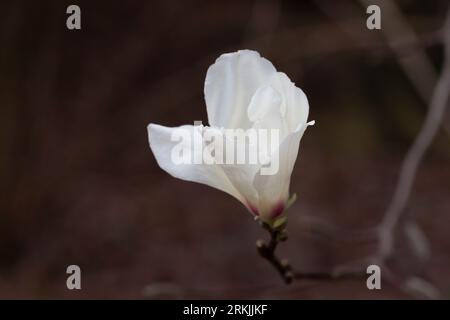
(230, 84)
(241, 177)
(163, 146)
(241, 165)
(266, 113)
(265, 110)
(295, 102)
(273, 190)
(264, 102)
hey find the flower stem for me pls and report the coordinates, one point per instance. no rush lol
(267, 251)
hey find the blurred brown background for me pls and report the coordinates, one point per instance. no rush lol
(79, 184)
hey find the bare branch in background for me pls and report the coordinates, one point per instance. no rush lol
(419, 69)
(397, 31)
(415, 155)
(402, 41)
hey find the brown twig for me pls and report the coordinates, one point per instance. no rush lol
(430, 127)
(318, 276)
(267, 251)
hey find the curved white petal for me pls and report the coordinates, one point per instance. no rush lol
(167, 144)
(266, 111)
(230, 84)
(237, 165)
(294, 102)
(241, 177)
(264, 102)
(273, 190)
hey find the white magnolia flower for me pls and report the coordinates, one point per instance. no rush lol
(244, 91)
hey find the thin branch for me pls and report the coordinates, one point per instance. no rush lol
(267, 251)
(400, 39)
(396, 30)
(320, 276)
(416, 153)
